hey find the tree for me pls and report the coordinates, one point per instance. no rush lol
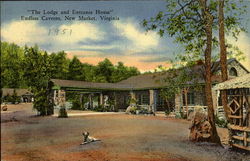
(223, 55)
(178, 82)
(37, 74)
(191, 23)
(208, 19)
(89, 72)
(76, 70)
(122, 72)
(59, 65)
(11, 66)
(104, 70)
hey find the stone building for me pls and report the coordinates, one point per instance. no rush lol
(144, 88)
(23, 94)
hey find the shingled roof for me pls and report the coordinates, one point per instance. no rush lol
(143, 81)
(20, 92)
(238, 82)
(90, 85)
(151, 80)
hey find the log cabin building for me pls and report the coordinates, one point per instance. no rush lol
(144, 88)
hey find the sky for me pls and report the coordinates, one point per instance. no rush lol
(96, 37)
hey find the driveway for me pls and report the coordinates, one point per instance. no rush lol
(123, 138)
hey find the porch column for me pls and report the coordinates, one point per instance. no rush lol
(115, 102)
(90, 101)
(62, 98)
(101, 99)
(55, 97)
(152, 99)
(81, 100)
(178, 102)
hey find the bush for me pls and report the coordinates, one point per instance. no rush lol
(102, 108)
(99, 108)
(167, 112)
(43, 105)
(8, 98)
(220, 122)
(144, 111)
(180, 115)
(62, 113)
(13, 99)
(133, 110)
(183, 115)
(76, 105)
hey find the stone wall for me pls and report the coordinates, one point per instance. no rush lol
(235, 64)
(240, 71)
(199, 99)
(122, 99)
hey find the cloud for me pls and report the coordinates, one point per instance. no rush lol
(138, 40)
(80, 32)
(22, 32)
(32, 32)
(122, 41)
(243, 43)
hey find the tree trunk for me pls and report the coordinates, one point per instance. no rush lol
(223, 56)
(208, 19)
(168, 104)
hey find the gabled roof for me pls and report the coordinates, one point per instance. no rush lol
(20, 92)
(238, 82)
(152, 80)
(156, 80)
(143, 81)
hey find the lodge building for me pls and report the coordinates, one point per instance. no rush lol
(144, 88)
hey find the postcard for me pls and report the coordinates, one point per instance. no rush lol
(125, 80)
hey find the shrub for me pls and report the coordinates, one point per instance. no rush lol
(183, 115)
(43, 105)
(133, 110)
(15, 98)
(99, 108)
(132, 101)
(144, 111)
(62, 113)
(220, 122)
(8, 98)
(102, 108)
(76, 105)
(167, 112)
(180, 115)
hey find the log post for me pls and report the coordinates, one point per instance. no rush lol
(152, 100)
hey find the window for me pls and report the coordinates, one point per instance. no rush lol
(160, 100)
(143, 99)
(190, 99)
(126, 100)
(220, 100)
(233, 72)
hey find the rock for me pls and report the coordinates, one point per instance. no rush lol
(4, 108)
(200, 128)
(190, 116)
